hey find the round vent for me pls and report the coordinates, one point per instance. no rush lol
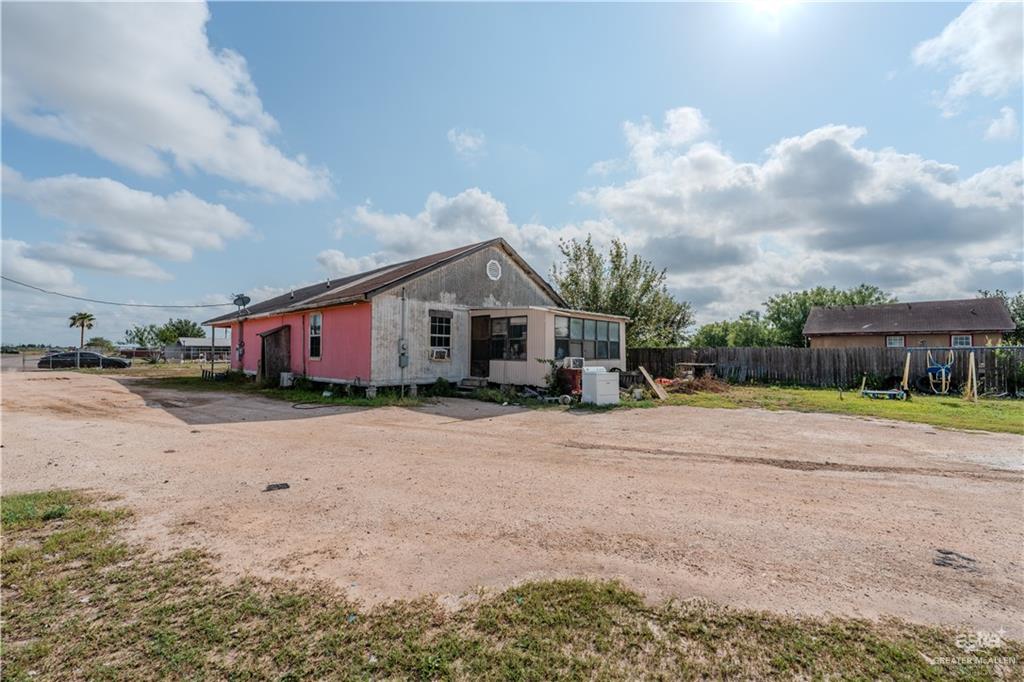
(494, 269)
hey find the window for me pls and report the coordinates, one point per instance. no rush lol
(315, 322)
(590, 339)
(561, 337)
(961, 341)
(440, 335)
(894, 342)
(508, 338)
(602, 340)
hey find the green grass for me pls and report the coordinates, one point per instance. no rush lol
(242, 384)
(952, 412)
(80, 603)
(943, 411)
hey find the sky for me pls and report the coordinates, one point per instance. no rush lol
(182, 153)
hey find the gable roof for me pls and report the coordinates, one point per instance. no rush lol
(972, 314)
(362, 286)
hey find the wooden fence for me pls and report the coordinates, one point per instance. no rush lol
(998, 369)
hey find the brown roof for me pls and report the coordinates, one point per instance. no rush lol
(363, 285)
(969, 315)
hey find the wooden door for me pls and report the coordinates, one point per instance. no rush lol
(480, 347)
(276, 354)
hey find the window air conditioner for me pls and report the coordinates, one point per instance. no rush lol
(439, 353)
(572, 363)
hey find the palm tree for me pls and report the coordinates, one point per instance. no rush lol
(83, 321)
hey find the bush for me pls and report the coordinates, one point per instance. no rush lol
(302, 383)
(556, 382)
(441, 388)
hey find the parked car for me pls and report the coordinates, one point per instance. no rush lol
(81, 359)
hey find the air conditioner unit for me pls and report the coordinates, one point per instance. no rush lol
(440, 353)
(572, 363)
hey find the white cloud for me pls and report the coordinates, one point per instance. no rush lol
(337, 264)
(818, 208)
(984, 45)
(139, 84)
(648, 145)
(115, 227)
(468, 144)
(1003, 127)
(19, 264)
(78, 254)
(605, 167)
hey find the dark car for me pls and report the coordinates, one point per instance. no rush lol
(81, 359)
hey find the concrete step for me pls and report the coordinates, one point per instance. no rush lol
(472, 383)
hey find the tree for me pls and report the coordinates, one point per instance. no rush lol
(788, 312)
(170, 332)
(83, 321)
(750, 329)
(712, 335)
(622, 285)
(1015, 304)
(105, 345)
(143, 336)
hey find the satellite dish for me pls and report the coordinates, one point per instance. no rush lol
(241, 300)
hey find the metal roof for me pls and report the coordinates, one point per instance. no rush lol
(967, 315)
(201, 342)
(363, 285)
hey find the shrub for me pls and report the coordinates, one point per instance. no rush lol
(441, 388)
(302, 383)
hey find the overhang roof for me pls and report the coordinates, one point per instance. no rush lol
(362, 286)
(922, 317)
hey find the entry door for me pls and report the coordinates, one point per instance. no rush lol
(480, 347)
(276, 354)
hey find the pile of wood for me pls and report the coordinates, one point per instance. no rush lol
(704, 384)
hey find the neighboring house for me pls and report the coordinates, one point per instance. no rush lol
(477, 311)
(197, 347)
(957, 324)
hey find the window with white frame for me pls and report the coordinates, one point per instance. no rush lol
(315, 325)
(961, 341)
(440, 335)
(895, 342)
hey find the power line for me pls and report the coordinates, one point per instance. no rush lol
(127, 305)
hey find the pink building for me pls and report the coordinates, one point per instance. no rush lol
(479, 311)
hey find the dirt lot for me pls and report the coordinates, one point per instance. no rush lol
(804, 513)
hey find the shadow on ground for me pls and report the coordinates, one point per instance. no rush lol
(212, 406)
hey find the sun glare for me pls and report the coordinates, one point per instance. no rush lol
(771, 9)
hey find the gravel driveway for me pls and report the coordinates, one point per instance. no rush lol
(801, 513)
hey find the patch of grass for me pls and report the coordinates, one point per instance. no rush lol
(240, 383)
(80, 603)
(141, 368)
(943, 411)
(32, 509)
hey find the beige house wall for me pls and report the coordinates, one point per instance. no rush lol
(910, 340)
(540, 344)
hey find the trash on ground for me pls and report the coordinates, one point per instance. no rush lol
(276, 486)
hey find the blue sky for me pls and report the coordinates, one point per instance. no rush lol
(178, 154)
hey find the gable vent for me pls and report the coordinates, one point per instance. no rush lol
(494, 270)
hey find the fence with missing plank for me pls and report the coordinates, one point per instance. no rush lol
(999, 369)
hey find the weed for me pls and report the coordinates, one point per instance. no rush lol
(80, 603)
